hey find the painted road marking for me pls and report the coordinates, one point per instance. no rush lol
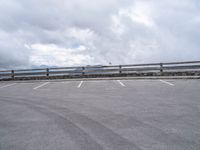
(166, 82)
(35, 88)
(120, 82)
(64, 82)
(80, 84)
(7, 85)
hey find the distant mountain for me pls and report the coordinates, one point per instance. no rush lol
(43, 66)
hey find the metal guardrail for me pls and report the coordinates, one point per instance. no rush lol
(115, 70)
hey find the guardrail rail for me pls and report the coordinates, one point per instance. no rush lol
(153, 69)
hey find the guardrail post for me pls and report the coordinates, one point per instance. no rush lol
(47, 72)
(120, 69)
(161, 68)
(13, 74)
(83, 71)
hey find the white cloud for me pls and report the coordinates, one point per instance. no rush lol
(117, 26)
(139, 13)
(52, 55)
(81, 32)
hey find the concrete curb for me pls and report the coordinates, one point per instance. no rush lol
(108, 78)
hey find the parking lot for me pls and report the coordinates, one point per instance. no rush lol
(100, 115)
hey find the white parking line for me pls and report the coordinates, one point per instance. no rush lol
(80, 84)
(122, 84)
(166, 82)
(7, 85)
(35, 88)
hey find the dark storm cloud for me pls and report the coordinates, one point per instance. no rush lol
(80, 32)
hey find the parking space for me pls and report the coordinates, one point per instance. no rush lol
(101, 114)
(104, 88)
(2, 84)
(7, 85)
(84, 84)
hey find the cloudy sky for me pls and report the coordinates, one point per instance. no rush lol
(89, 32)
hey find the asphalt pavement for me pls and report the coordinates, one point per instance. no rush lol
(100, 115)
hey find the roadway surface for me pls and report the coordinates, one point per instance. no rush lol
(100, 115)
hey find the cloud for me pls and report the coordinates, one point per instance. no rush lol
(52, 55)
(84, 32)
